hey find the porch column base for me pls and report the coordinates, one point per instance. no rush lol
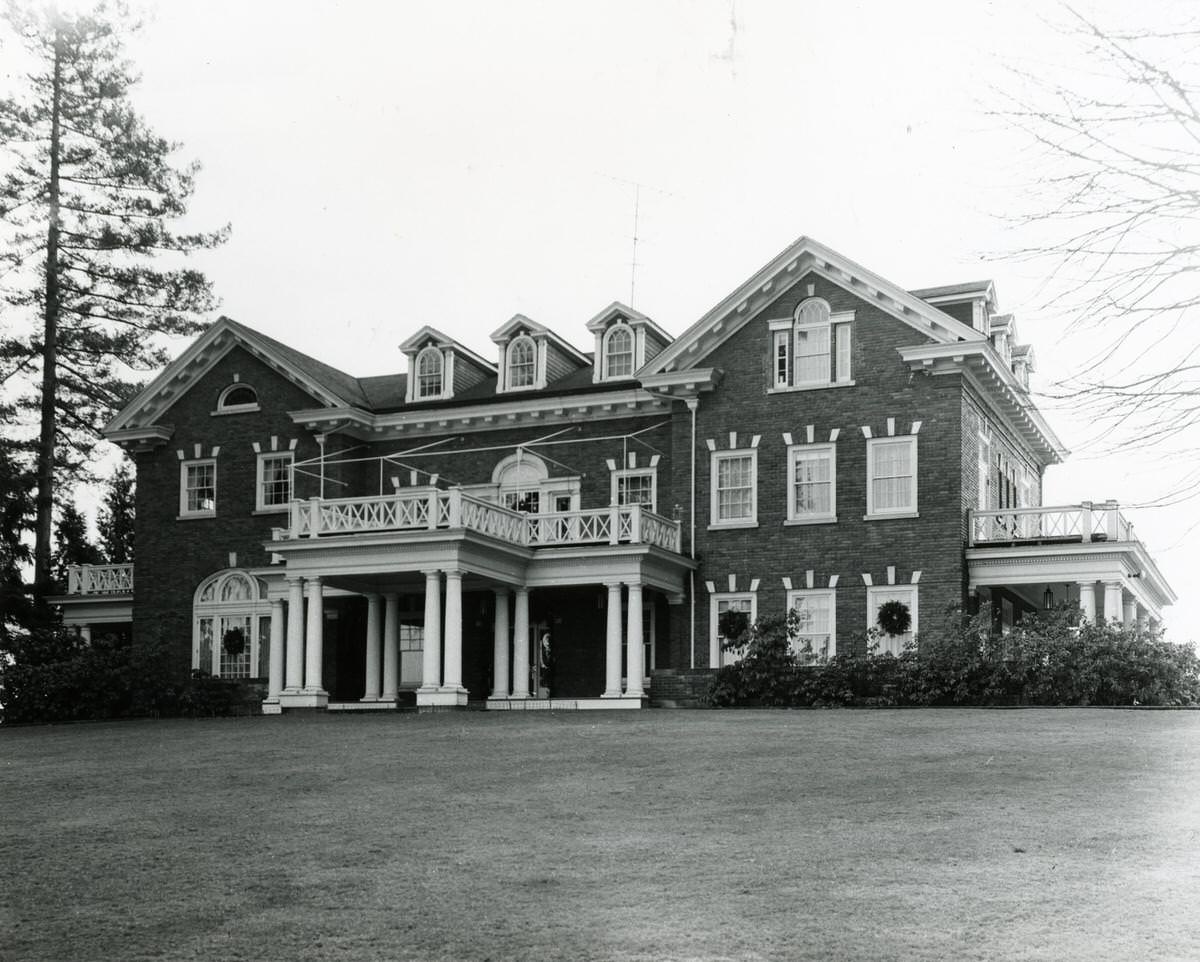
(441, 698)
(304, 699)
(271, 706)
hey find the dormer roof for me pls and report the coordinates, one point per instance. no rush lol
(634, 318)
(428, 333)
(518, 322)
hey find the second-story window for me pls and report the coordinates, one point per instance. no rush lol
(618, 352)
(892, 476)
(813, 350)
(429, 374)
(812, 483)
(635, 487)
(274, 481)
(522, 362)
(734, 484)
(198, 488)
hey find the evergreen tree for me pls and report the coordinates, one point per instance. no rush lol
(16, 526)
(87, 199)
(72, 543)
(116, 517)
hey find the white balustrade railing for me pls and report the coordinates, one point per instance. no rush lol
(414, 509)
(1086, 521)
(100, 579)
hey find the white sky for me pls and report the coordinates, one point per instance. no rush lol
(386, 165)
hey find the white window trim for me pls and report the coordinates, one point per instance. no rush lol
(508, 363)
(714, 641)
(260, 506)
(257, 609)
(792, 516)
(615, 484)
(223, 408)
(907, 511)
(831, 594)
(881, 591)
(441, 392)
(183, 475)
(792, 325)
(633, 352)
(714, 459)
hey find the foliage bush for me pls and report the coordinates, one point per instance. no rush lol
(1048, 659)
(51, 675)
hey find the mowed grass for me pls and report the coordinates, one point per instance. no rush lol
(1056, 835)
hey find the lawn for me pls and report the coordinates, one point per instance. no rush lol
(958, 835)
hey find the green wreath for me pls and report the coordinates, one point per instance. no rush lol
(234, 642)
(894, 618)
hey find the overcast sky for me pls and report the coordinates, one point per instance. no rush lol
(388, 165)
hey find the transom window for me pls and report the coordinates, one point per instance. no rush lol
(429, 373)
(814, 348)
(274, 480)
(635, 487)
(812, 482)
(734, 484)
(237, 398)
(814, 637)
(719, 605)
(198, 488)
(618, 352)
(877, 597)
(522, 362)
(892, 476)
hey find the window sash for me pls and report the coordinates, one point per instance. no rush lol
(275, 480)
(814, 631)
(876, 598)
(735, 483)
(893, 476)
(199, 488)
(813, 479)
(618, 353)
(522, 363)
(636, 489)
(812, 355)
(430, 367)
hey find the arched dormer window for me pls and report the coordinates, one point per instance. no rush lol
(237, 398)
(429, 374)
(813, 349)
(231, 619)
(618, 352)
(522, 362)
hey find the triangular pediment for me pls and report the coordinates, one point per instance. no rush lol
(805, 256)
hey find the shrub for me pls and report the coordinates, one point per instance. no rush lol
(1048, 659)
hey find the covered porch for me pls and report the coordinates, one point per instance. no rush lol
(1084, 554)
(98, 598)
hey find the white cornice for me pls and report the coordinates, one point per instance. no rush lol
(507, 413)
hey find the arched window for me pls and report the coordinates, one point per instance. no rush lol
(231, 626)
(816, 350)
(520, 476)
(618, 352)
(238, 397)
(429, 373)
(522, 362)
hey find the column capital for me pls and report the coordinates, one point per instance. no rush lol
(609, 584)
(315, 581)
(431, 573)
(369, 595)
(1114, 583)
(453, 572)
(293, 580)
(501, 592)
(520, 590)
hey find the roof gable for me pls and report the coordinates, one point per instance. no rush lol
(328, 385)
(428, 333)
(782, 272)
(518, 322)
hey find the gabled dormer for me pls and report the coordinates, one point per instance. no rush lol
(626, 340)
(440, 368)
(972, 303)
(1023, 363)
(532, 356)
(1003, 334)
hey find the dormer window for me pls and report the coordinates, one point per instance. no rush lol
(618, 352)
(429, 374)
(522, 362)
(237, 399)
(813, 349)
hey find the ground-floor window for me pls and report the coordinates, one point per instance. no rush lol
(231, 626)
(721, 626)
(815, 636)
(879, 596)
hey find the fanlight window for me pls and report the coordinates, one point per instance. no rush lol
(238, 397)
(429, 373)
(231, 626)
(618, 352)
(522, 362)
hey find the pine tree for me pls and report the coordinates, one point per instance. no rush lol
(116, 517)
(16, 524)
(87, 200)
(72, 543)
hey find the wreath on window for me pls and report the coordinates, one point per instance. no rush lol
(733, 624)
(894, 618)
(234, 642)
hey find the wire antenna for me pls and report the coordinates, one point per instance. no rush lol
(637, 209)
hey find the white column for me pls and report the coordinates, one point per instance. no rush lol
(1130, 613)
(314, 640)
(612, 642)
(275, 658)
(453, 639)
(1087, 601)
(500, 645)
(520, 681)
(431, 665)
(391, 646)
(633, 642)
(85, 634)
(371, 690)
(1143, 618)
(295, 634)
(1113, 603)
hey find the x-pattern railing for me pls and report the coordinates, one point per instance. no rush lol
(99, 579)
(1077, 522)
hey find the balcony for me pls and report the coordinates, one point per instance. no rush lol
(433, 509)
(100, 579)
(1083, 553)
